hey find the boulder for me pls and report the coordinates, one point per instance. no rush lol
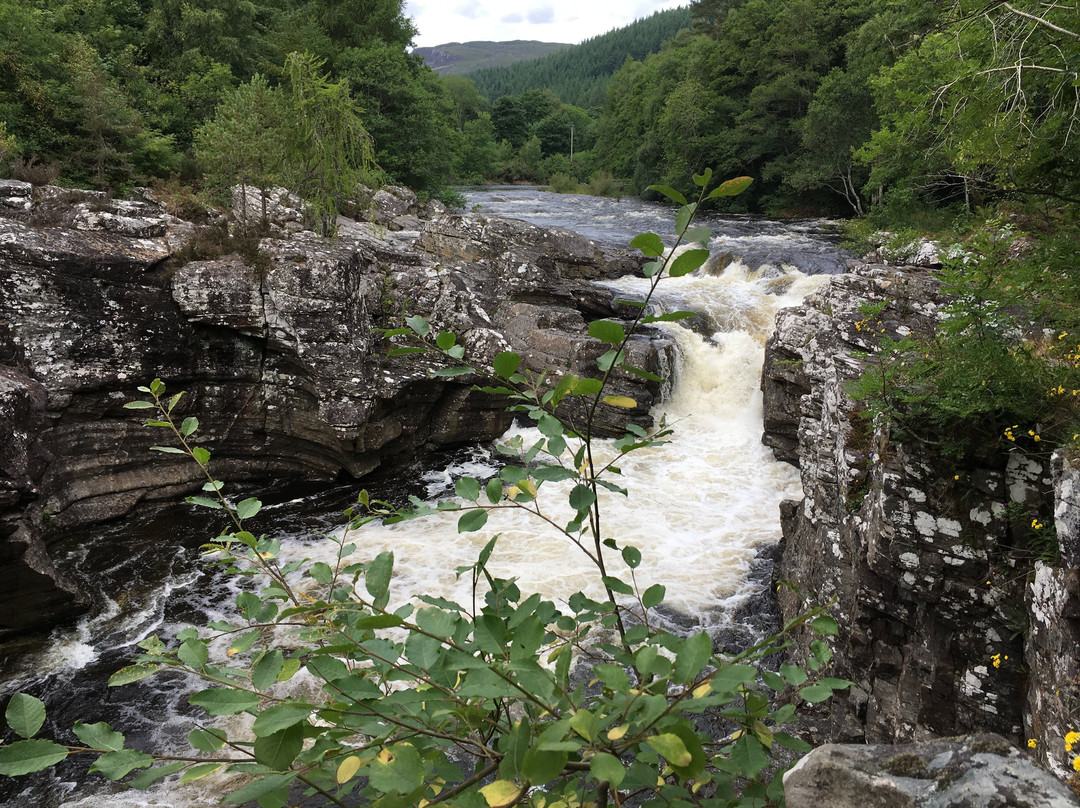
(976, 771)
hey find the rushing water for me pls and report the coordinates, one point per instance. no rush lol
(699, 507)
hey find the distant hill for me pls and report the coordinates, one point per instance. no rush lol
(459, 58)
(579, 74)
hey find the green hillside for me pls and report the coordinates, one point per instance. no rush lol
(579, 74)
(459, 58)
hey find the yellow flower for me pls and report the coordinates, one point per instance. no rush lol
(1076, 763)
(996, 660)
(1032, 743)
(1063, 334)
(1070, 740)
(1037, 439)
(956, 476)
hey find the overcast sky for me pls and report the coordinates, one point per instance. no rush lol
(570, 21)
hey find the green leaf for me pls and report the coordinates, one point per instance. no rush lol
(506, 364)
(549, 426)
(773, 681)
(193, 653)
(581, 498)
(687, 262)
(683, 217)
(651, 268)
(613, 676)
(202, 457)
(203, 502)
(670, 193)
(825, 625)
(585, 724)
(703, 179)
(139, 405)
(445, 340)
(278, 750)
(224, 701)
(279, 717)
(24, 757)
(205, 740)
(494, 490)
(143, 780)
(397, 768)
(419, 325)
(669, 317)
(261, 787)
(132, 673)
(189, 426)
(816, 693)
(608, 360)
(266, 670)
(471, 521)
(607, 331)
(607, 768)
(791, 742)
(248, 508)
(199, 771)
(554, 474)
(439, 622)
(650, 244)
(691, 659)
(632, 556)
(378, 575)
(449, 373)
(698, 235)
(167, 449)
(99, 736)
(671, 746)
(653, 596)
(115, 765)
(468, 488)
(793, 674)
(732, 187)
(540, 766)
(25, 715)
(588, 387)
(749, 755)
(615, 585)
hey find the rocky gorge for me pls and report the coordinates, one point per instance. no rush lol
(278, 349)
(948, 624)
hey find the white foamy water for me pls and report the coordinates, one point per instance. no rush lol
(698, 506)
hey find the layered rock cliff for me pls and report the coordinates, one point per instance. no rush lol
(949, 622)
(276, 341)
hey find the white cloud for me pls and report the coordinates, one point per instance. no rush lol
(554, 21)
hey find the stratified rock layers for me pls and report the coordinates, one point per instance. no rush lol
(279, 354)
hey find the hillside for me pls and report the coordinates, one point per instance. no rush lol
(459, 58)
(579, 74)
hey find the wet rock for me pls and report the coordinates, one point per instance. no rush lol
(977, 771)
(277, 345)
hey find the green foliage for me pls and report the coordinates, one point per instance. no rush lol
(579, 74)
(490, 703)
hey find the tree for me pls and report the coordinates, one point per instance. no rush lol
(245, 142)
(329, 153)
(508, 118)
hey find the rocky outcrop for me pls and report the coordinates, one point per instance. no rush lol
(276, 341)
(929, 559)
(969, 772)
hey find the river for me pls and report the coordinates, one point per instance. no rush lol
(699, 507)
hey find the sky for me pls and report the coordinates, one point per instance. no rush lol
(570, 21)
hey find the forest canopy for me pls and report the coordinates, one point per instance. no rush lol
(841, 107)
